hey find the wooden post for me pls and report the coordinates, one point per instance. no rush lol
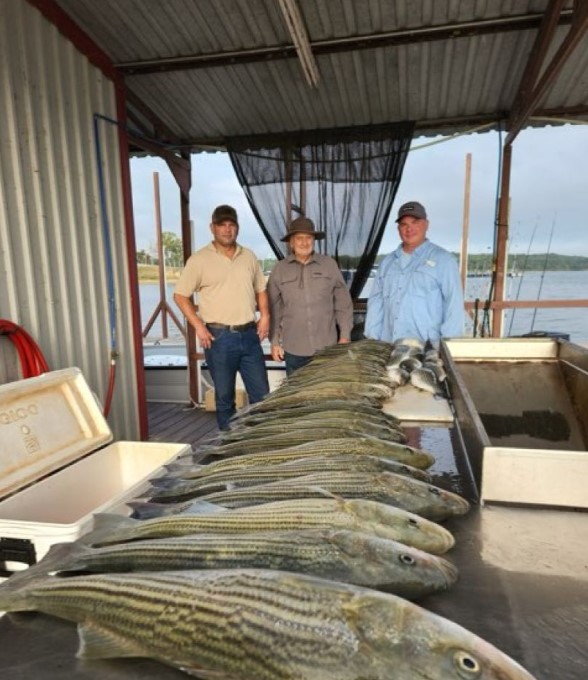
(194, 387)
(501, 241)
(160, 256)
(466, 222)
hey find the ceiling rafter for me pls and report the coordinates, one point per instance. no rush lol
(524, 22)
(299, 35)
(531, 90)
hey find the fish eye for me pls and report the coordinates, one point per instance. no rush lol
(406, 559)
(467, 665)
(434, 489)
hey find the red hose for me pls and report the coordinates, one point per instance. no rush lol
(32, 361)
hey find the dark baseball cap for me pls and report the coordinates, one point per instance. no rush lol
(224, 213)
(412, 209)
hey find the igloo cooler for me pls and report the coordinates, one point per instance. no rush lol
(59, 466)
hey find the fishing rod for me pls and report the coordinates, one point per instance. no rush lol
(485, 327)
(543, 272)
(523, 274)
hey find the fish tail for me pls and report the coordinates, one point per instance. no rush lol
(106, 526)
(150, 510)
(14, 592)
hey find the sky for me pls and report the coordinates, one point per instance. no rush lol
(549, 193)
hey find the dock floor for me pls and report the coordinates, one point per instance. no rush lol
(181, 423)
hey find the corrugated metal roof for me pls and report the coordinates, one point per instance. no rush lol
(459, 62)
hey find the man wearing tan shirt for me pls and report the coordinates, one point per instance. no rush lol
(230, 286)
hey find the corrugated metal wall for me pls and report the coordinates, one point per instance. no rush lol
(53, 262)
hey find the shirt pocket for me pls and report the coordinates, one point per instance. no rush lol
(424, 282)
(321, 283)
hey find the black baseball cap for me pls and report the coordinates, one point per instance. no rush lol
(224, 213)
(412, 209)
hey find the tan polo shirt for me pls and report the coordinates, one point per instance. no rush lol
(226, 287)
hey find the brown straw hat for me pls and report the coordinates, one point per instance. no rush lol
(303, 225)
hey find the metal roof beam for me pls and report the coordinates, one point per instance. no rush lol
(523, 22)
(531, 91)
(160, 129)
(299, 35)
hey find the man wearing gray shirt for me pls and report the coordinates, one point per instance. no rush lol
(308, 300)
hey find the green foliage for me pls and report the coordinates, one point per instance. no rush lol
(536, 262)
(172, 249)
(144, 257)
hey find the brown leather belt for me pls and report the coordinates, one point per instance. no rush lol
(234, 329)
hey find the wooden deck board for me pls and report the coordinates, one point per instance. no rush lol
(181, 423)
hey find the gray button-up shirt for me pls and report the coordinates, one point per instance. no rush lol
(307, 303)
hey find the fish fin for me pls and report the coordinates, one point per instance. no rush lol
(207, 673)
(325, 492)
(151, 509)
(105, 524)
(63, 557)
(167, 482)
(97, 643)
(203, 508)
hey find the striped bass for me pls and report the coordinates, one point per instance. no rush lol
(361, 388)
(189, 483)
(342, 555)
(316, 397)
(342, 445)
(328, 407)
(344, 425)
(403, 492)
(261, 625)
(336, 513)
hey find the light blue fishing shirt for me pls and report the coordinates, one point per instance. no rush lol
(416, 297)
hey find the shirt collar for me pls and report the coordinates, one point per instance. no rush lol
(212, 247)
(292, 258)
(417, 251)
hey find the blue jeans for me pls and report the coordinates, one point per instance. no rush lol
(232, 352)
(294, 361)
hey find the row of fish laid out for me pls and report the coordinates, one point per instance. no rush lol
(264, 562)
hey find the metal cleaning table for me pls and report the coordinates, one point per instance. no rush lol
(523, 586)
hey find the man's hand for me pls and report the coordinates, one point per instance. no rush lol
(263, 326)
(277, 353)
(205, 337)
(343, 341)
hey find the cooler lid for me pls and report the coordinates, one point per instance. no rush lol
(45, 423)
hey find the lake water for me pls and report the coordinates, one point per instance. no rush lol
(529, 286)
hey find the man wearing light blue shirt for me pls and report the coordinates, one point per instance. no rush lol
(417, 290)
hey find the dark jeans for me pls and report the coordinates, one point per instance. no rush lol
(294, 361)
(232, 352)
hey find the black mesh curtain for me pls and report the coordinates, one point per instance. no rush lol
(345, 180)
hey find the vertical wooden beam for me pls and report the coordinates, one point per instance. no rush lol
(194, 388)
(160, 255)
(501, 245)
(466, 221)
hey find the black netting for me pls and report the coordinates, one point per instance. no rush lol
(345, 180)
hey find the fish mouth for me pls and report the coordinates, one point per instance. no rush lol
(449, 571)
(461, 505)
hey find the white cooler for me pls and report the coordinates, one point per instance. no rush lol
(57, 467)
